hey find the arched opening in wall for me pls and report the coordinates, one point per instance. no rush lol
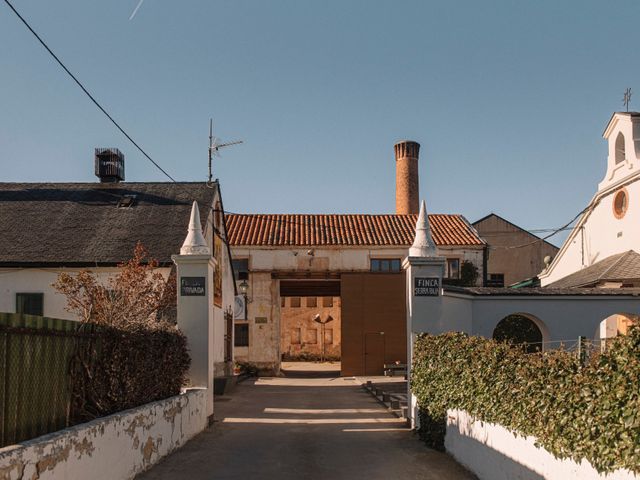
(617, 324)
(620, 153)
(519, 329)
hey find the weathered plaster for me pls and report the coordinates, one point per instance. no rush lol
(115, 447)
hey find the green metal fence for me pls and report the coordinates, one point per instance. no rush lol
(35, 357)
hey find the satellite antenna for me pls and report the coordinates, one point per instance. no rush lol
(214, 147)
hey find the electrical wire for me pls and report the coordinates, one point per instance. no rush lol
(91, 97)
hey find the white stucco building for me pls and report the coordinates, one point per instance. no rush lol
(610, 223)
(49, 228)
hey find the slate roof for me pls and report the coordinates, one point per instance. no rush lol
(616, 268)
(345, 230)
(540, 291)
(81, 224)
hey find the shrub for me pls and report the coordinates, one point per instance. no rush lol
(576, 411)
(117, 369)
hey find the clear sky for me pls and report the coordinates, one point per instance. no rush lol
(507, 98)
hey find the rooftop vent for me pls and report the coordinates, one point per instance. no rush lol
(109, 165)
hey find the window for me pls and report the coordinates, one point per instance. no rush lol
(283, 302)
(620, 203)
(328, 336)
(312, 302)
(295, 302)
(620, 153)
(241, 335)
(496, 280)
(453, 268)
(385, 264)
(327, 301)
(241, 268)
(312, 335)
(295, 336)
(29, 303)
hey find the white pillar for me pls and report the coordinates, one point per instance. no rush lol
(195, 270)
(423, 271)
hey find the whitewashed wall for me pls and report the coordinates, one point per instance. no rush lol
(494, 453)
(111, 448)
(39, 280)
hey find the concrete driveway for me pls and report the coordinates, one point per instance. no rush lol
(305, 429)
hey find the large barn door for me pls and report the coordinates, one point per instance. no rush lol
(373, 322)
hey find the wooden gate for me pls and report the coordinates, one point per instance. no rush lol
(372, 303)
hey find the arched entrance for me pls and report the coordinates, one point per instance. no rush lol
(617, 324)
(519, 329)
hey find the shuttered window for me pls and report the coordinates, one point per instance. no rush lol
(30, 303)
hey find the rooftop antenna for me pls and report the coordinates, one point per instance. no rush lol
(627, 98)
(214, 148)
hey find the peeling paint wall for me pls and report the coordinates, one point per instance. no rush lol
(111, 448)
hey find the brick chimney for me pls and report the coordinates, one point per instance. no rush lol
(407, 190)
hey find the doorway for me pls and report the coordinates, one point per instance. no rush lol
(374, 353)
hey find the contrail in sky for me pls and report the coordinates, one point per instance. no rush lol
(135, 10)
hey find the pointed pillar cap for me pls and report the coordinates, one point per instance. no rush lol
(423, 244)
(195, 244)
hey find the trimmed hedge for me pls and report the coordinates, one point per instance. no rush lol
(116, 369)
(576, 411)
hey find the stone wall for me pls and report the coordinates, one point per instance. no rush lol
(110, 448)
(301, 336)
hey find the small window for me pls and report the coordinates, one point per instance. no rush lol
(328, 336)
(283, 302)
(620, 203)
(385, 264)
(241, 268)
(496, 280)
(30, 303)
(327, 302)
(312, 302)
(295, 336)
(241, 335)
(620, 153)
(453, 268)
(312, 336)
(295, 302)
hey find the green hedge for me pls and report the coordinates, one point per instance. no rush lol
(576, 411)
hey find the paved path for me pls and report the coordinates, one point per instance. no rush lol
(305, 429)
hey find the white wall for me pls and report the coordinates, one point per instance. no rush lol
(494, 453)
(39, 280)
(558, 317)
(110, 448)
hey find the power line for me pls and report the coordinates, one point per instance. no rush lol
(91, 97)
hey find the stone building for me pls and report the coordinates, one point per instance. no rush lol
(513, 253)
(292, 262)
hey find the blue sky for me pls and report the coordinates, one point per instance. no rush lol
(508, 98)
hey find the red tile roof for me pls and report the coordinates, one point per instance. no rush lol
(345, 230)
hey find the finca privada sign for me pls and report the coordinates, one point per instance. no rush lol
(192, 286)
(426, 287)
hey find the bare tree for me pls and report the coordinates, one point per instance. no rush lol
(137, 295)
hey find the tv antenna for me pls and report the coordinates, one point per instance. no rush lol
(627, 98)
(214, 147)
